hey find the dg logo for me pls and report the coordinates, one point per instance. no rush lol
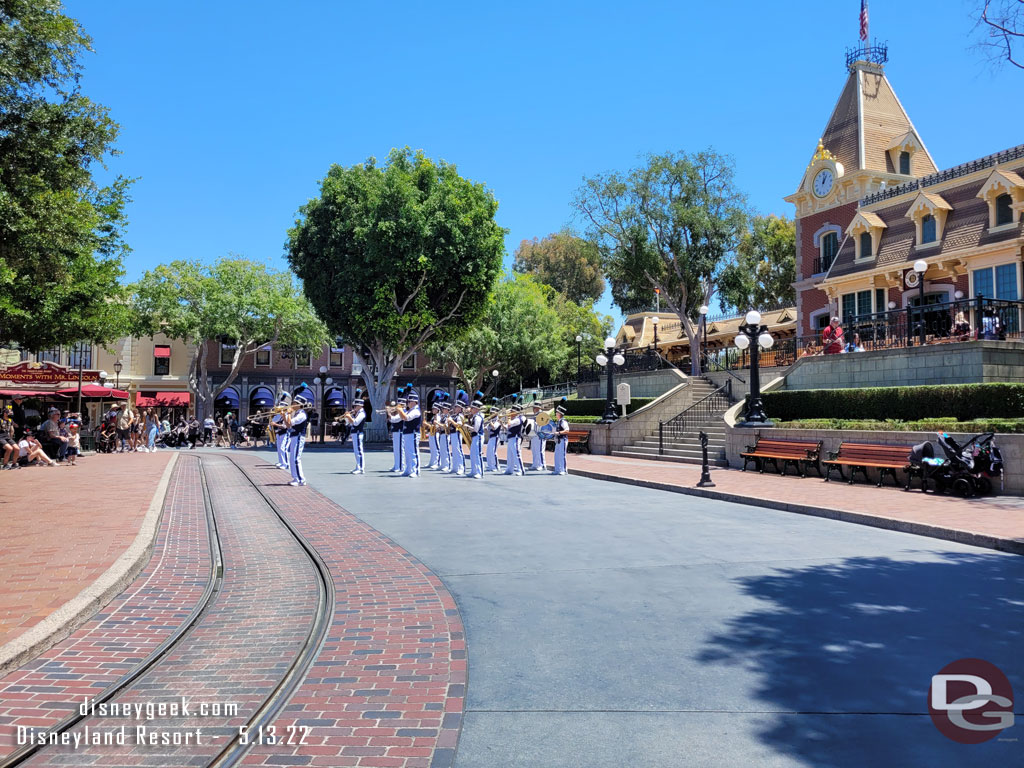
(971, 701)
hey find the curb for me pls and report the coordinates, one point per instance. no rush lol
(79, 609)
(1014, 546)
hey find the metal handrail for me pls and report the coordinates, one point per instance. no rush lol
(696, 414)
(708, 361)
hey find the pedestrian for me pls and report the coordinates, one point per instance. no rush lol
(193, 432)
(151, 429)
(208, 426)
(18, 416)
(54, 443)
(832, 338)
(8, 444)
(125, 420)
(74, 443)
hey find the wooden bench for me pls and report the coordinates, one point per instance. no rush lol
(799, 453)
(579, 439)
(860, 456)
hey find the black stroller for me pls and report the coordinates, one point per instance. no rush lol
(966, 470)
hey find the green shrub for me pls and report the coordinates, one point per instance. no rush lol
(595, 406)
(1003, 426)
(962, 401)
(582, 419)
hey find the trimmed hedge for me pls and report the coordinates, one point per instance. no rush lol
(1002, 426)
(582, 419)
(595, 406)
(963, 402)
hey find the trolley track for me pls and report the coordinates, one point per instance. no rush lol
(177, 644)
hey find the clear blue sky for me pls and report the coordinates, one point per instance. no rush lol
(231, 112)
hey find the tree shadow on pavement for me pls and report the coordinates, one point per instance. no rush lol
(845, 653)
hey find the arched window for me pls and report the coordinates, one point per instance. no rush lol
(1004, 213)
(905, 163)
(829, 249)
(865, 245)
(928, 228)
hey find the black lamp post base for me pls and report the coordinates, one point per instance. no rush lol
(765, 423)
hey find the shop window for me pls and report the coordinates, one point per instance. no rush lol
(80, 355)
(49, 356)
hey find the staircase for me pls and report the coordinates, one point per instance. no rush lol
(681, 435)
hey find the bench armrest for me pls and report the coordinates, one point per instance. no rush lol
(833, 455)
(812, 453)
(751, 449)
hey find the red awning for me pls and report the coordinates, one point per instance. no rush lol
(166, 399)
(95, 390)
(28, 393)
(161, 351)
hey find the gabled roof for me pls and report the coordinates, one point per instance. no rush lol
(868, 219)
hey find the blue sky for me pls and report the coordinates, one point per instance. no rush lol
(231, 112)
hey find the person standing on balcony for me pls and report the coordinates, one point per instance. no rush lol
(832, 338)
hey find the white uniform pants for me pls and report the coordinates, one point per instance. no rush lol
(357, 449)
(560, 446)
(411, 454)
(537, 452)
(513, 460)
(295, 446)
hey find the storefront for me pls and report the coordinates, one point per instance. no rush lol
(47, 384)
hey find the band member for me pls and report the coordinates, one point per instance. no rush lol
(295, 421)
(395, 426)
(493, 431)
(513, 459)
(411, 434)
(444, 462)
(435, 452)
(458, 457)
(281, 431)
(356, 420)
(536, 444)
(561, 441)
(476, 430)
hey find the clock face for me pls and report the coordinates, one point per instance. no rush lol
(823, 182)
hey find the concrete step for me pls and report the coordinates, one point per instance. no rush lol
(695, 442)
(676, 459)
(676, 451)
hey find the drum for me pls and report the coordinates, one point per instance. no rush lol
(547, 432)
(543, 418)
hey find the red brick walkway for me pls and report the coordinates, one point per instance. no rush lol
(64, 526)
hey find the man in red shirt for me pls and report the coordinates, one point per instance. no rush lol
(832, 338)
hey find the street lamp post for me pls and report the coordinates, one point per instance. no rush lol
(754, 335)
(495, 375)
(324, 381)
(579, 347)
(920, 267)
(118, 367)
(610, 358)
(654, 322)
(704, 324)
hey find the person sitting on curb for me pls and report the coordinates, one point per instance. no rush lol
(31, 451)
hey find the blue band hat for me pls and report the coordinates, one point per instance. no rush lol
(284, 398)
(301, 399)
(413, 397)
(561, 407)
(477, 404)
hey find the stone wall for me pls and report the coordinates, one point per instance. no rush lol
(605, 438)
(969, 362)
(641, 383)
(1011, 446)
(740, 388)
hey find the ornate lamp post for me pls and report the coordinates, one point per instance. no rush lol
(324, 381)
(579, 346)
(610, 357)
(704, 326)
(494, 375)
(920, 267)
(118, 367)
(754, 335)
(654, 321)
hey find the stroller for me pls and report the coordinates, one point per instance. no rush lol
(967, 470)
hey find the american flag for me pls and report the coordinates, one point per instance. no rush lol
(864, 20)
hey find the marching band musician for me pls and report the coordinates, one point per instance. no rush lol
(536, 444)
(561, 441)
(281, 431)
(410, 415)
(395, 426)
(435, 453)
(493, 430)
(295, 421)
(513, 459)
(476, 429)
(444, 462)
(458, 458)
(356, 420)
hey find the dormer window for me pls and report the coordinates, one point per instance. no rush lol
(901, 153)
(866, 230)
(1004, 193)
(865, 246)
(929, 212)
(1004, 209)
(905, 163)
(928, 228)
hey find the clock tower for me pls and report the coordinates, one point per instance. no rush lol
(868, 143)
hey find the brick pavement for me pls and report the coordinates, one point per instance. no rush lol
(42, 692)
(996, 522)
(64, 527)
(388, 688)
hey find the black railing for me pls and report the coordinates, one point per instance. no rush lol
(822, 264)
(711, 362)
(876, 54)
(646, 359)
(698, 414)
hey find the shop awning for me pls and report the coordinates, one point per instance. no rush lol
(160, 351)
(164, 399)
(95, 390)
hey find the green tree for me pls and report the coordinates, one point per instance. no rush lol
(396, 256)
(236, 300)
(519, 334)
(672, 224)
(569, 264)
(584, 321)
(61, 240)
(765, 268)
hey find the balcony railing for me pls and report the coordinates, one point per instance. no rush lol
(646, 359)
(821, 264)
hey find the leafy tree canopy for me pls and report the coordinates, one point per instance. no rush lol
(61, 233)
(672, 224)
(763, 274)
(395, 256)
(569, 264)
(235, 300)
